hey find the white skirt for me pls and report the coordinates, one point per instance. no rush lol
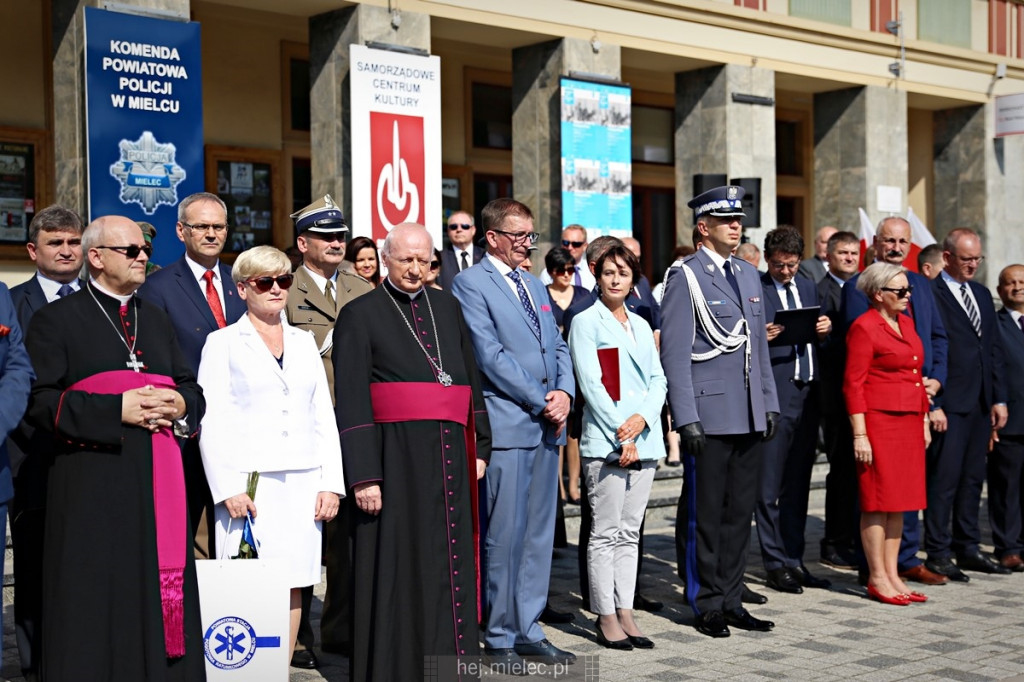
(284, 526)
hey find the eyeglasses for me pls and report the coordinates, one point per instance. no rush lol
(203, 227)
(784, 266)
(435, 265)
(460, 226)
(566, 243)
(130, 252)
(976, 260)
(519, 237)
(902, 292)
(266, 283)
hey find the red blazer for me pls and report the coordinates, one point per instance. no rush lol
(883, 371)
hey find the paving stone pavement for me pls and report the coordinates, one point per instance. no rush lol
(971, 633)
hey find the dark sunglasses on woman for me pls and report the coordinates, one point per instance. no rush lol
(266, 283)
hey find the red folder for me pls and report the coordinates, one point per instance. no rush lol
(608, 358)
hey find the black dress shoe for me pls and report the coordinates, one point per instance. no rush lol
(642, 603)
(619, 644)
(783, 580)
(836, 559)
(748, 596)
(640, 642)
(981, 563)
(712, 624)
(947, 568)
(741, 618)
(805, 578)
(304, 658)
(552, 617)
(545, 652)
(505, 662)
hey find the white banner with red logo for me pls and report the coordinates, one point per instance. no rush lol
(396, 142)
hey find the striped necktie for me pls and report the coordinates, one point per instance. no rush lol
(972, 312)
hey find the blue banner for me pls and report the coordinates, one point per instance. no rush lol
(597, 183)
(144, 114)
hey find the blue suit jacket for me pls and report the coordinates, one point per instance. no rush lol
(517, 367)
(714, 391)
(16, 378)
(642, 384)
(1012, 340)
(783, 357)
(976, 365)
(177, 292)
(927, 324)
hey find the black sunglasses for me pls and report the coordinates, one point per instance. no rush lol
(567, 270)
(900, 293)
(460, 226)
(566, 243)
(130, 252)
(266, 283)
(435, 265)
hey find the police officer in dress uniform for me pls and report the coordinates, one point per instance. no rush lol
(723, 401)
(321, 289)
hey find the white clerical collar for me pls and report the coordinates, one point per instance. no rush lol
(412, 297)
(319, 279)
(120, 297)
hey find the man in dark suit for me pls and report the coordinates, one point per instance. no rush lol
(892, 244)
(842, 521)
(1006, 461)
(815, 267)
(723, 402)
(55, 246)
(462, 253)
(787, 459)
(974, 402)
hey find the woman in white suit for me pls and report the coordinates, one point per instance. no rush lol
(621, 378)
(268, 409)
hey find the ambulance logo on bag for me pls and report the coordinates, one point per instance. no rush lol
(231, 642)
(148, 173)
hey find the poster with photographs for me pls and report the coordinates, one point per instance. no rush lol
(597, 182)
(246, 189)
(17, 190)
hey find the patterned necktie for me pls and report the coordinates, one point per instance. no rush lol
(525, 300)
(64, 290)
(972, 312)
(214, 300)
(731, 278)
(804, 371)
(329, 294)
(465, 261)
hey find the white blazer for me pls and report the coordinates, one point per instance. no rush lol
(262, 417)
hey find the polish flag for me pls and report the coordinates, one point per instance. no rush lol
(920, 237)
(867, 236)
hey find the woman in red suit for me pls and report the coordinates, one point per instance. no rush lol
(887, 405)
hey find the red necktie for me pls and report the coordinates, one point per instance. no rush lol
(214, 300)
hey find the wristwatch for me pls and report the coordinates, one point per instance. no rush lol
(180, 428)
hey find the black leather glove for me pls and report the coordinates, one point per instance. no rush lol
(693, 438)
(772, 419)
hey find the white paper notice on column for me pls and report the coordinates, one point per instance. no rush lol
(1009, 115)
(396, 141)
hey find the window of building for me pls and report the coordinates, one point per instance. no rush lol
(882, 12)
(653, 134)
(944, 21)
(492, 115)
(832, 11)
(1005, 19)
(789, 147)
(295, 87)
(750, 4)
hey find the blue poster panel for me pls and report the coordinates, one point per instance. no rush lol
(597, 166)
(144, 115)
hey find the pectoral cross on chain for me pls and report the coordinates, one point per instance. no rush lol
(134, 363)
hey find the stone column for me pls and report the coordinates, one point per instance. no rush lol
(860, 142)
(68, 114)
(536, 127)
(330, 35)
(714, 134)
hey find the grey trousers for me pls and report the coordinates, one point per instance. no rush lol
(618, 500)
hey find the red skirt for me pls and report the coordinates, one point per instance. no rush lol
(895, 479)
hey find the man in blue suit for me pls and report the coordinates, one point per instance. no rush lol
(198, 295)
(16, 377)
(974, 401)
(55, 246)
(723, 401)
(787, 459)
(528, 386)
(892, 244)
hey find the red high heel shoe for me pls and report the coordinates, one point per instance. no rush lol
(915, 597)
(898, 600)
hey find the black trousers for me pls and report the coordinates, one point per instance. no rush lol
(842, 520)
(27, 523)
(335, 621)
(1005, 504)
(955, 474)
(713, 520)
